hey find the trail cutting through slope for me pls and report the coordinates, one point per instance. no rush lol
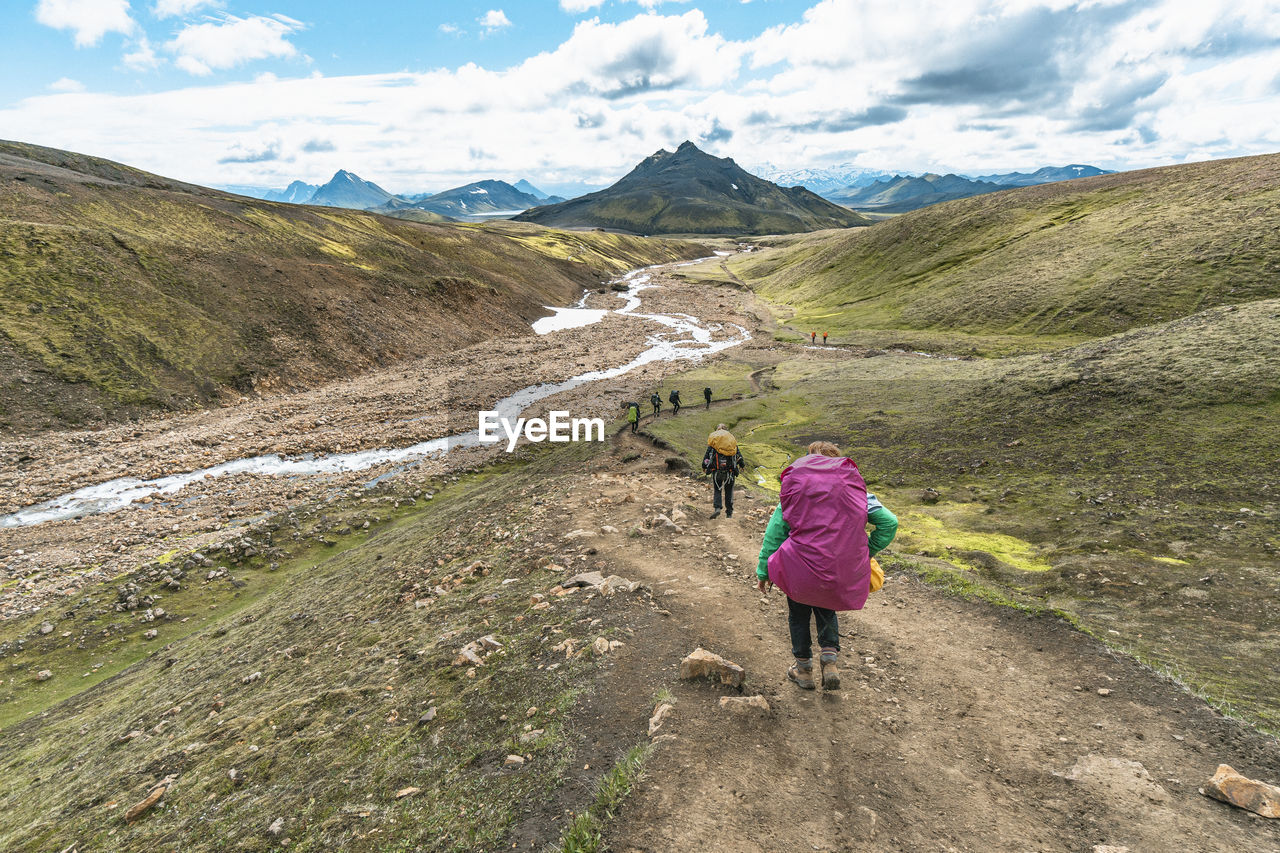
(960, 726)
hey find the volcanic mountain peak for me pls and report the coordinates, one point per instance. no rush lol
(688, 191)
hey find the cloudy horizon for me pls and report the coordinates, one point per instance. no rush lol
(575, 93)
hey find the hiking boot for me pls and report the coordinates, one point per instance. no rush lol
(830, 673)
(728, 513)
(716, 513)
(802, 674)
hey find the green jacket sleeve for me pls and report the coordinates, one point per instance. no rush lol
(886, 527)
(774, 535)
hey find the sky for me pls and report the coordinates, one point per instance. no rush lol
(420, 95)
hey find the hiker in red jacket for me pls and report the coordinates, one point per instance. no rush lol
(817, 551)
(824, 339)
(813, 337)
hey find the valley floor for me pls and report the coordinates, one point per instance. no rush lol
(961, 725)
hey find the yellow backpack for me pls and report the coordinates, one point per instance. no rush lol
(877, 575)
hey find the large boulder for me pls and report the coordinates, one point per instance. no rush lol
(1231, 787)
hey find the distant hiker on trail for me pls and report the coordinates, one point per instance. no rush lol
(706, 393)
(813, 337)
(723, 462)
(817, 551)
(674, 399)
(633, 415)
(824, 339)
(657, 403)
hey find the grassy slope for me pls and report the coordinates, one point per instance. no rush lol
(354, 646)
(121, 290)
(1078, 259)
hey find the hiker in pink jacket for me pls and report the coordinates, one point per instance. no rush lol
(817, 551)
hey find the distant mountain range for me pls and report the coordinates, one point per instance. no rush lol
(690, 192)
(903, 193)
(477, 199)
(906, 192)
(822, 181)
(296, 193)
(1045, 175)
(480, 199)
(875, 190)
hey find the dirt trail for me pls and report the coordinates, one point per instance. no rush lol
(959, 726)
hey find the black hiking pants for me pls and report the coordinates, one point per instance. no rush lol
(635, 425)
(722, 481)
(708, 401)
(802, 638)
(657, 407)
(675, 407)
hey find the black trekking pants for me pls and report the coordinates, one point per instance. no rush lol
(708, 402)
(801, 638)
(722, 481)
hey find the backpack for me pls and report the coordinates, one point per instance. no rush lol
(655, 399)
(720, 462)
(675, 397)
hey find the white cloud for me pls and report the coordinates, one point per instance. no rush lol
(849, 82)
(450, 29)
(577, 7)
(66, 84)
(89, 20)
(178, 8)
(142, 57)
(494, 19)
(232, 41)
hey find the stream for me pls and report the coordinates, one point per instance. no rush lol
(687, 339)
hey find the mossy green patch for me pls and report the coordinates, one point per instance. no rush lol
(946, 530)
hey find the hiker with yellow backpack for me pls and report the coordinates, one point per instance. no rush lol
(723, 462)
(817, 551)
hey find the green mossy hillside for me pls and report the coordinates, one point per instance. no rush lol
(1087, 257)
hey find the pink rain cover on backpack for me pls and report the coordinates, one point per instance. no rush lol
(824, 561)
